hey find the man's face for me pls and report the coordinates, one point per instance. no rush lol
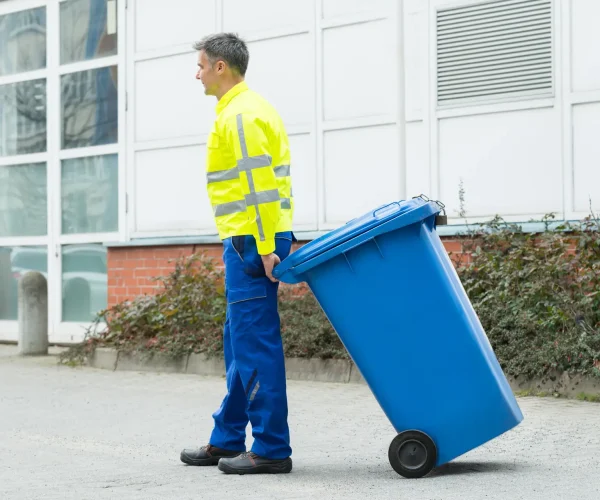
(208, 73)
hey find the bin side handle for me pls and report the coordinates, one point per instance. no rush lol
(410, 217)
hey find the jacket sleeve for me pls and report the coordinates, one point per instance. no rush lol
(249, 138)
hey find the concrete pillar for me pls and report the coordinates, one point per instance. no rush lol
(5, 283)
(33, 314)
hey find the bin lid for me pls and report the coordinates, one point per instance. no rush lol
(351, 229)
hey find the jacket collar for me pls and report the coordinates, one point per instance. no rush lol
(230, 94)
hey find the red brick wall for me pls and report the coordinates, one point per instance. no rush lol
(130, 269)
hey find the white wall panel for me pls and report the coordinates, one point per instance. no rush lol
(586, 156)
(282, 70)
(510, 163)
(361, 171)
(585, 36)
(359, 76)
(338, 8)
(161, 24)
(304, 181)
(170, 102)
(170, 190)
(247, 17)
(417, 160)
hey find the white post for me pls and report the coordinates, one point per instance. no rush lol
(33, 314)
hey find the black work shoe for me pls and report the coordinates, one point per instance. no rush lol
(206, 455)
(251, 463)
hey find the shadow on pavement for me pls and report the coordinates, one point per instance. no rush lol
(332, 470)
(457, 468)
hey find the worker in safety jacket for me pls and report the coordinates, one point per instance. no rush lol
(249, 186)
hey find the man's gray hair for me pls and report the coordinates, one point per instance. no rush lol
(227, 47)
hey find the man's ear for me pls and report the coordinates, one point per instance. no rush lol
(220, 66)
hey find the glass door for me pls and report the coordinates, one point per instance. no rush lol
(61, 140)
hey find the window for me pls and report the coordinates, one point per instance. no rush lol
(23, 118)
(90, 188)
(88, 30)
(59, 163)
(89, 183)
(23, 196)
(500, 49)
(15, 262)
(23, 41)
(84, 281)
(90, 108)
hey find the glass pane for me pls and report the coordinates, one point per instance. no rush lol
(84, 281)
(89, 108)
(88, 29)
(90, 195)
(15, 262)
(23, 118)
(23, 41)
(23, 195)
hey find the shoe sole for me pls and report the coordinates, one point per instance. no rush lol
(199, 461)
(279, 468)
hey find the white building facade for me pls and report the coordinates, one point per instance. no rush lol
(103, 126)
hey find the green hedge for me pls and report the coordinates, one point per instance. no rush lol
(537, 295)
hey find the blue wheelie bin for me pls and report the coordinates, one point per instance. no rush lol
(389, 289)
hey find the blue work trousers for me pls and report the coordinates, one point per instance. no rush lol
(254, 360)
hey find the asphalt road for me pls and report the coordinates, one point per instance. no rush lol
(80, 433)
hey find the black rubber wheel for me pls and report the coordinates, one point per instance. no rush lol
(412, 454)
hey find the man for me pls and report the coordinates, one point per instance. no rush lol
(249, 186)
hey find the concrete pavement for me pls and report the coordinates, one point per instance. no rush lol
(81, 433)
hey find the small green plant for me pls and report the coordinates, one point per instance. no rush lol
(462, 212)
(592, 398)
(524, 393)
(306, 331)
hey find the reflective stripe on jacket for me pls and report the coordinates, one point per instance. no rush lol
(248, 169)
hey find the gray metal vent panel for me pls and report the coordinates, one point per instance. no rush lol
(493, 50)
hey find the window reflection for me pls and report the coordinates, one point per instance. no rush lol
(90, 108)
(23, 118)
(15, 262)
(88, 29)
(84, 281)
(23, 41)
(90, 195)
(23, 195)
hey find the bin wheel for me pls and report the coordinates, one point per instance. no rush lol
(412, 454)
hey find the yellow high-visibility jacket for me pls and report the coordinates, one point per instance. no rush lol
(248, 169)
